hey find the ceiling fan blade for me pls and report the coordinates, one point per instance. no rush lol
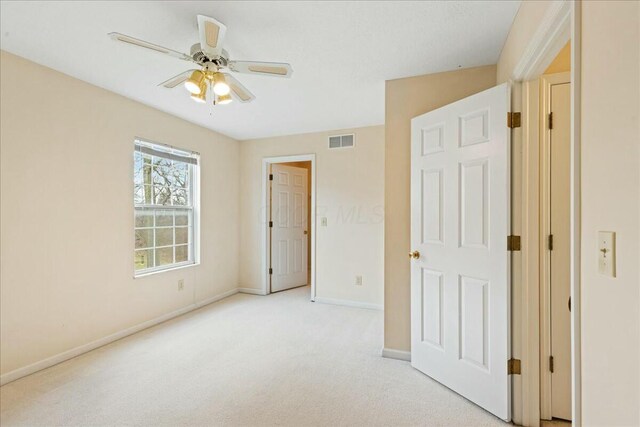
(211, 34)
(238, 91)
(276, 69)
(176, 80)
(141, 43)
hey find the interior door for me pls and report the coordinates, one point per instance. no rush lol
(560, 253)
(288, 225)
(460, 268)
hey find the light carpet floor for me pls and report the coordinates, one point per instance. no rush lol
(243, 361)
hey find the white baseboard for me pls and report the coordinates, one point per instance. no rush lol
(391, 353)
(349, 303)
(251, 291)
(70, 354)
(215, 298)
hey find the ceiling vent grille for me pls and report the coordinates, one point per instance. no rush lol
(342, 141)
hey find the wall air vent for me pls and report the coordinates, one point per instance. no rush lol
(342, 141)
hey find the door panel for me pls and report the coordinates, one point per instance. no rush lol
(560, 256)
(289, 199)
(432, 211)
(459, 224)
(432, 307)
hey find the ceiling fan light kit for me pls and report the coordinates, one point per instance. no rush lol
(195, 83)
(224, 99)
(214, 63)
(200, 97)
(220, 86)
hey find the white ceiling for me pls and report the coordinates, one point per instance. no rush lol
(341, 52)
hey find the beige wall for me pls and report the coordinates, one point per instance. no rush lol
(611, 202)
(562, 62)
(67, 214)
(610, 145)
(405, 99)
(350, 193)
(525, 24)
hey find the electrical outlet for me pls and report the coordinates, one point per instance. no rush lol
(358, 280)
(180, 284)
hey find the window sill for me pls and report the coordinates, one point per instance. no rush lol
(165, 270)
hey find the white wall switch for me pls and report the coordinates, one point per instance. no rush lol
(359, 280)
(607, 253)
(180, 284)
(323, 221)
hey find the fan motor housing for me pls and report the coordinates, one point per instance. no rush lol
(201, 58)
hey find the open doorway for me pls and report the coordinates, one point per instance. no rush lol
(289, 231)
(289, 219)
(550, 216)
(555, 239)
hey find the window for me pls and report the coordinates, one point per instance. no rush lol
(165, 205)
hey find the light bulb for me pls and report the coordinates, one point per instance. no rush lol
(224, 99)
(200, 98)
(220, 86)
(194, 83)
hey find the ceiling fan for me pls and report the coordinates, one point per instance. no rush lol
(212, 78)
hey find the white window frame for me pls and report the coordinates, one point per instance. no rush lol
(194, 186)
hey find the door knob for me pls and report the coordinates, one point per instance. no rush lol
(414, 254)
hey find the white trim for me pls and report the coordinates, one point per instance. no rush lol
(149, 142)
(576, 141)
(194, 209)
(180, 266)
(515, 258)
(214, 298)
(552, 34)
(391, 353)
(530, 298)
(266, 162)
(560, 24)
(349, 303)
(546, 82)
(252, 291)
(77, 351)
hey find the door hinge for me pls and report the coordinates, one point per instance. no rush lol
(270, 270)
(550, 120)
(513, 120)
(270, 224)
(513, 243)
(270, 177)
(550, 245)
(551, 364)
(513, 367)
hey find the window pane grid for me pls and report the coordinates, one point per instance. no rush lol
(164, 214)
(161, 182)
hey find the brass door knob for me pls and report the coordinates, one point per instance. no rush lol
(414, 254)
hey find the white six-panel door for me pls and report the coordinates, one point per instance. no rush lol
(289, 200)
(459, 225)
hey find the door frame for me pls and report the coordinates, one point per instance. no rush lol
(561, 23)
(546, 81)
(266, 241)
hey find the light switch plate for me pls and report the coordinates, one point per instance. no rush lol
(323, 221)
(607, 253)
